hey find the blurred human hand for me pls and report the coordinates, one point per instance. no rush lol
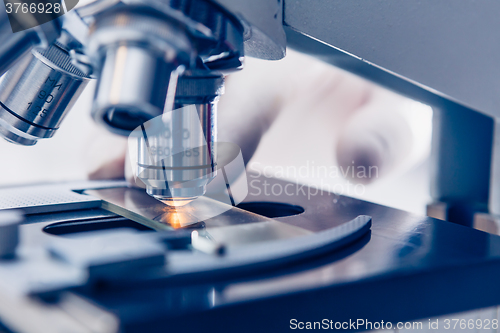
(358, 123)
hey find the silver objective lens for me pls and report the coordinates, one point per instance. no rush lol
(135, 50)
(177, 159)
(36, 94)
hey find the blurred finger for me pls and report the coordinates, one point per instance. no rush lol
(388, 132)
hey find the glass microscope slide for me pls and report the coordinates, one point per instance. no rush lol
(222, 223)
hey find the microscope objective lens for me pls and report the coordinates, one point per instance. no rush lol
(175, 202)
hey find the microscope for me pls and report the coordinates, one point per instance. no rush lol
(148, 59)
(160, 67)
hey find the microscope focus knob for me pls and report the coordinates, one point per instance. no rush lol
(9, 232)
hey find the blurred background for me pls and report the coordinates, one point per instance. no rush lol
(300, 145)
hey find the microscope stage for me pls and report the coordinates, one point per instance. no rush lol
(405, 267)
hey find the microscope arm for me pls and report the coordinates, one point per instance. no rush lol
(441, 53)
(427, 49)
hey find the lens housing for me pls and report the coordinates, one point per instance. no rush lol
(37, 93)
(176, 153)
(135, 50)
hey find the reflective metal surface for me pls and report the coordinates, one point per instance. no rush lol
(37, 93)
(135, 50)
(264, 35)
(410, 267)
(176, 153)
(217, 33)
